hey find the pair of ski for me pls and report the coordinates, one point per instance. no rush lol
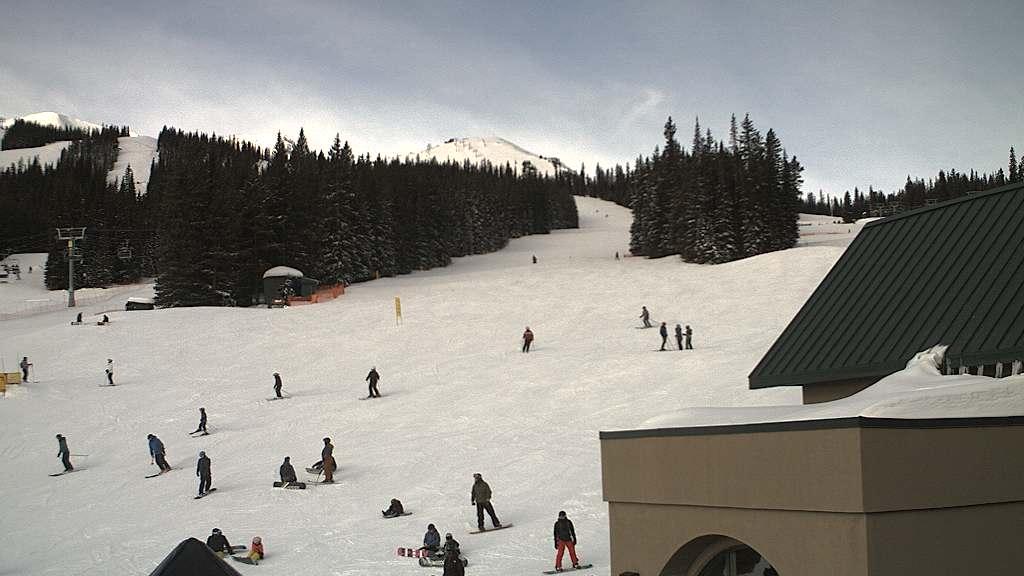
(68, 471)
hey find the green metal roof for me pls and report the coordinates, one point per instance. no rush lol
(952, 273)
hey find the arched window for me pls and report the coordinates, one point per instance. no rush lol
(717, 555)
(739, 561)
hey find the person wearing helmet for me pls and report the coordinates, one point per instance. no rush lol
(218, 543)
(64, 453)
(203, 471)
(453, 563)
(158, 453)
(373, 377)
(287, 471)
(450, 544)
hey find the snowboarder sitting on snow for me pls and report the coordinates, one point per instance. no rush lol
(203, 471)
(527, 339)
(255, 552)
(287, 471)
(431, 540)
(394, 510)
(218, 543)
(78, 318)
(451, 545)
(565, 537)
(156, 451)
(64, 454)
(105, 320)
(481, 497)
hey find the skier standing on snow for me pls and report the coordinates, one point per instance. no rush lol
(277, 385)
(156, 451)
(64, 454)
(481, 497)
(679, 336)
(203, 471)
(646, 317)
(24, 364)
(202, 422)
(287, 471)
(664, 335)
(565, 537)
(327, 457)
(110, 371)
(431, 539)
(218, 543)
(527, 339)
(372, 378)
(688, 334)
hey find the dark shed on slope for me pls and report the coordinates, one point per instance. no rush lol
(949, 274)
(193, 558)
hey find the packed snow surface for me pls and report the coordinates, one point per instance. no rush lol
(459, 397)
(48, 155)
(137, 152)
(497, 151)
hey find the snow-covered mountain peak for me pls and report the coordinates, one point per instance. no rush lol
(52, 119)
(493, 149)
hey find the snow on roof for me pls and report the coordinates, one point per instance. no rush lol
(140, 300)
(278, 271)
(918, 391)
(497, 151)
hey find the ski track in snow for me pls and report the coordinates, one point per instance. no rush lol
(459, 398)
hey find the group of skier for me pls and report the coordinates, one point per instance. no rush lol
(683, 336)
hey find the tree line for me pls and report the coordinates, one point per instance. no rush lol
(22, 134)
(915, 193)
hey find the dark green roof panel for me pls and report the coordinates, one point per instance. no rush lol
(950, 274)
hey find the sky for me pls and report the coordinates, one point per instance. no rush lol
(863, 92)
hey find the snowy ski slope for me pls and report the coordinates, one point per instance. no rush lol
(497, 151)
(459, 398)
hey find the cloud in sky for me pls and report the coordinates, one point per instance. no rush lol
(863, 93)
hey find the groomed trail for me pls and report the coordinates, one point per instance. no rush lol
(459, 397)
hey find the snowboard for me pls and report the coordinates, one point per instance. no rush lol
(316, 471)
(570, 569)
(321, 482)
(291, 485)
(372, 397)
(502, 527)
(243, 559)
(238, 548)
(276, 398)
(67, 472)
(197, 435)
(438, 562)
(159, 473)
(413, 553)
(397, 515)
(205, 494)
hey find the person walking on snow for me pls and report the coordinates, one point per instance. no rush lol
(64, 454)
(664, 335)
(287, 471)
(202, 423)
(481, 497)
(679, 336)
(688, 334)
(218, 543)
(156, 451)
(277, 385)
(646, 317)
(203, 471)
(110, 372)
(527, 339)
(373, 377)
(565, 537)
(327, 457)
(24, 364)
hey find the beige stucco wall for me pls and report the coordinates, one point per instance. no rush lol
(762, 470)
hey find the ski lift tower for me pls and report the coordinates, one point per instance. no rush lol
(71, 235)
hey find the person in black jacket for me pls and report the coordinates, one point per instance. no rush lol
(688, 333)
(664, 335)
(565, 537)
(203, 471)
(679, 336)
(453, 563)
(395, 509)
(372, 378)
(277, 384)
(202, 423)
(287, 471)
(64, 454)
(218, 543)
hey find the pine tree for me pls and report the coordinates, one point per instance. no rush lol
(1015, 172)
